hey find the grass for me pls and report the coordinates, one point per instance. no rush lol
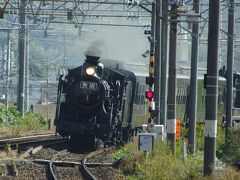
(12, 123)
(161, 164)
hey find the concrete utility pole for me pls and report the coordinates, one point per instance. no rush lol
(164, 62)
(171, 111)
(7, 68)
(27, 74)
(21, 57)
(230, 59)
(3, 60)
(193, 82)
(153, 23)
(211, 82)
(157, 64)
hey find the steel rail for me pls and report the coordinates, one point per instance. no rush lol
(25, 137)
(51, 169)
(64, 163)
(85, 164)
(29, 140)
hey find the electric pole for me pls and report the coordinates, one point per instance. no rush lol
(21, 57)
(164, 62)
(171, 102)
(153, 23)
(158, 62)
(230, 59)
(27, 73)
(7, 68)
(193, 82)
(211, 85)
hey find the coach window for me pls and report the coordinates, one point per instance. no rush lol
(140, 95)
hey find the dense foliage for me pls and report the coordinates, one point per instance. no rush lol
(12, 123)
(230, 150)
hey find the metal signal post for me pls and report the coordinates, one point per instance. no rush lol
(149, 94)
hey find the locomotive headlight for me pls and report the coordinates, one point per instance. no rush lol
(90, 70)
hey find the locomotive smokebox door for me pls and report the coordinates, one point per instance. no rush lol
(146, 141)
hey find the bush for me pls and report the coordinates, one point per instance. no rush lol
(230, 150)
(9, 117)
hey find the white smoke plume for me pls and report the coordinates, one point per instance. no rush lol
(96, 48)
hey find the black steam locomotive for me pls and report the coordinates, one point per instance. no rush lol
(95, 103)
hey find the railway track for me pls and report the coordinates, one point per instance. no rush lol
(27, 140)
(58, 164)
(86, 165)
(52, 174)
(81, 164)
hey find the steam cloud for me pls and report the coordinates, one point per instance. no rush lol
(96, 48)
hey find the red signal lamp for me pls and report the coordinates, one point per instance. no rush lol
(149, 94)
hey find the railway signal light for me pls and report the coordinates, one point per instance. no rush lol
(149, 94)
(149, 81)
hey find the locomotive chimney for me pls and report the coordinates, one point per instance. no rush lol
(92, 59)
(93, 52)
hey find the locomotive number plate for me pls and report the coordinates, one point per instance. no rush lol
(88, 85)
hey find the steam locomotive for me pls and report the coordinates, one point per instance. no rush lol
(93, 101)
